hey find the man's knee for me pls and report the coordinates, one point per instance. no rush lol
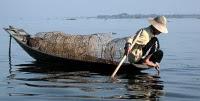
(160, 52)
(157, 56)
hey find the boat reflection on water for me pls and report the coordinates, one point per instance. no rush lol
(145, 86)
(39, 80)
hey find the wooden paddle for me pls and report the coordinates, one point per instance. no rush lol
(124, 57)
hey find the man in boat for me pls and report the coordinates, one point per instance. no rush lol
(147, 49)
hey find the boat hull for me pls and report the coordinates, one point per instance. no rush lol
(67, 63)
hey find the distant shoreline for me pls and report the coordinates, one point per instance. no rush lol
(141, 16)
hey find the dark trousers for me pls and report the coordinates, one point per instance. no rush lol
(152, 48)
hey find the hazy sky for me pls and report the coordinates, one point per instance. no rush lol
(70, 8)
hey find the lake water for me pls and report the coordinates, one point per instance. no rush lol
(179, 79)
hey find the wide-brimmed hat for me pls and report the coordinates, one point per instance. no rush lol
(160, 23)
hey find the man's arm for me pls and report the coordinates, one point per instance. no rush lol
(130, 40)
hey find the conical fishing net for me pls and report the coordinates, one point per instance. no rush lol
(99, 47)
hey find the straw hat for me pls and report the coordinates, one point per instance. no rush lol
(160, 23)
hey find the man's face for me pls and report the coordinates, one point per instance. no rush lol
(155, 31)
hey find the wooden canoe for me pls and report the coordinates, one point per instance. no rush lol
(19, 36)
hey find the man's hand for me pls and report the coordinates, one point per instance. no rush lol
(157, 65)
(127, 48)
(127, 51)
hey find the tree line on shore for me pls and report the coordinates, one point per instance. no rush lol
(139, 16)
